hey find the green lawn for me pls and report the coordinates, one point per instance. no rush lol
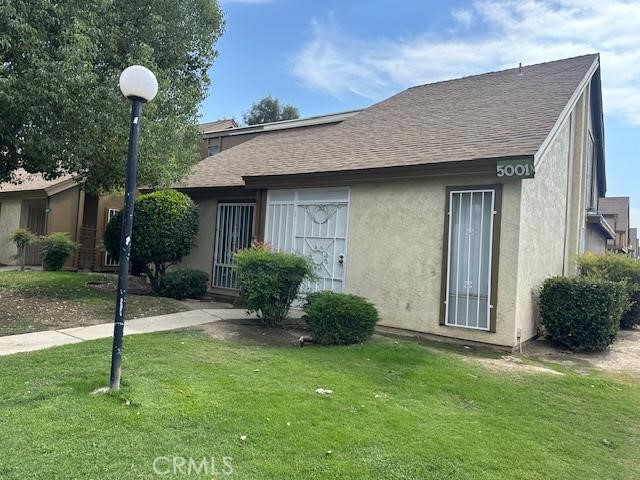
(398, 410)
(32, 301)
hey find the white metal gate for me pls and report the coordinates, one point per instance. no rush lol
(234, 229)
(470, 253)
(313, 222)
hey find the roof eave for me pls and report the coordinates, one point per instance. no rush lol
(566, 111)
(60, 187)
(474, 167)
(599, 220)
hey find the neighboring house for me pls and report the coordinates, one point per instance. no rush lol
(446, 205)
(633, 243)
(224, 134)
(47, 206)
(210, 141)
(615, 210)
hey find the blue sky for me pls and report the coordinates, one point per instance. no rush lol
(334, 55)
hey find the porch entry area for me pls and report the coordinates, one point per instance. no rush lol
(470, 249)
(312, 222)
(234, 231)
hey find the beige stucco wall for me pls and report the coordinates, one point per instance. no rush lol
(9, 221)
(395, 250)
(63, 216)
(201, 257)
(63, 212)
(543, 231)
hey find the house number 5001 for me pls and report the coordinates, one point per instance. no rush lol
(515, 169)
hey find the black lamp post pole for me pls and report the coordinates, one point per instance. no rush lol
(125, 243)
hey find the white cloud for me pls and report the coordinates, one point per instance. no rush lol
(527, 31)
(463, 16)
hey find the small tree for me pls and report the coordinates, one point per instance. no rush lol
(23, 238)
(269, 109)
(165, 225)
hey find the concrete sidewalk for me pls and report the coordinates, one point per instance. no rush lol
(29, 342)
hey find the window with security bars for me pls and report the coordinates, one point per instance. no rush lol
(469, 258)
(109, 261)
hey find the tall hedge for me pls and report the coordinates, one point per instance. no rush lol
(165, 225)
(616, 268)
(582, 313)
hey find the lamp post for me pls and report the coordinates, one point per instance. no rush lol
(139, 85)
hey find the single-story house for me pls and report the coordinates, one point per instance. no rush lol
(59, 205)
(446, 205)
(615, 210)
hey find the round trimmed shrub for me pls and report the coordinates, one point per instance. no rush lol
(340, 318)
(270, 281)
(181, 284)
(56, 249)
(165, 225)
(582, 313)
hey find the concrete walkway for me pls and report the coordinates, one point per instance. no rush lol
(29, 342)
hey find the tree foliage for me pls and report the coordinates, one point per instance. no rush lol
(61, 107)
(269, 109)
(165, 225)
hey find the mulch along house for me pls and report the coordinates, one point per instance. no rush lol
(446, 205)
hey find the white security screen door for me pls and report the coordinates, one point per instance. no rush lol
(234, 229)
(313, 222)
(470, 250)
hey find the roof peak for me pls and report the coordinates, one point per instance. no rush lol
(519, 68)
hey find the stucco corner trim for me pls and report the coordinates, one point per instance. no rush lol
(566, 111)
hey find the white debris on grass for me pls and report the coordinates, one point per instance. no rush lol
(324, 391)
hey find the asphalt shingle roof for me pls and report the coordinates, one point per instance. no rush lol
(493, 115)
(218, 125)
(23, 182)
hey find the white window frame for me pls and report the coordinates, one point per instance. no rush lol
(449, 224)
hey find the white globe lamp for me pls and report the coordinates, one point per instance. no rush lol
(137, 81)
